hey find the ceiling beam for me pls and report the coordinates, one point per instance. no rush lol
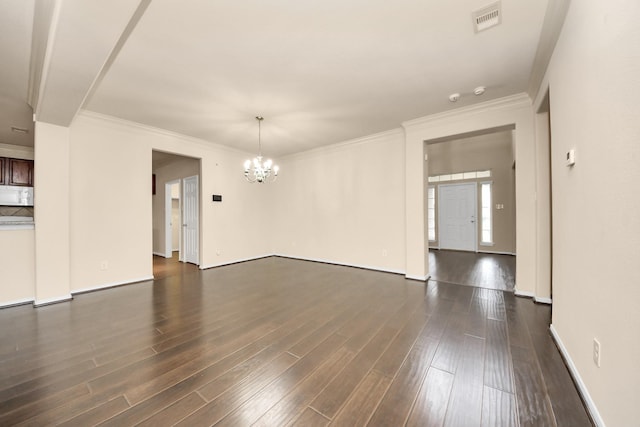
(75, 42)
(551, 27)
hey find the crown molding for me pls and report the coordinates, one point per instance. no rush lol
(518, 100)
(156, 131)
(23, 148)
(348, 143)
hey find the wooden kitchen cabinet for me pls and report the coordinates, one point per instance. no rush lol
(17, 172)
(3, 171)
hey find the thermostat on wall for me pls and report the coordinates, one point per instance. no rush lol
(571, 157)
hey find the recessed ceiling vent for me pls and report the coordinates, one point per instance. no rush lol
(19, 130)
(487, 17)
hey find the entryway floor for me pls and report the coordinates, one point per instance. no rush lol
(482, 270)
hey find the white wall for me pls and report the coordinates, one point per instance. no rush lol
(110, 167)
(344, 203)
(595, 105)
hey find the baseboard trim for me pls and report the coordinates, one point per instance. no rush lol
(17, 302)
(418, 278)
(49, 301)
(541, 300)
(482, 251)
(524, 294)
(206, 267)
(111, 285)
(364, 267)
(582, 388)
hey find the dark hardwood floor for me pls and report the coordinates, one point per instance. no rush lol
(277, 342)
(483, 270)
(165, 267)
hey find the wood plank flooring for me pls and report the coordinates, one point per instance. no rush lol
(166, 267)
(277, 342)
(492, 271)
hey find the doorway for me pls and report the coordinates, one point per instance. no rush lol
(175, 207)
(457, 212)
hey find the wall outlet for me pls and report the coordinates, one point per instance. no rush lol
(596, 352)
(384, 252)
(104, 265)
(218, 252)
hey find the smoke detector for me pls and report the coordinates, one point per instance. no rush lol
(487, 17)
(454, 97)
(479, 90)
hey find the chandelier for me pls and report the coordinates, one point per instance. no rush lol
(259, 170)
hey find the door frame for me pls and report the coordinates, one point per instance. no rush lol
(473, 185)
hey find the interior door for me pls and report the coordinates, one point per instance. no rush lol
(457, 210)
(190, 219)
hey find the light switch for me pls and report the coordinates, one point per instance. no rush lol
(571, 157)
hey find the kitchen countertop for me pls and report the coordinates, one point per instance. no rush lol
(16, 223)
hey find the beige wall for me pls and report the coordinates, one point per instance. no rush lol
(594, 96)
(17, 266)
(484, 152)
(344, 204)
(179, 169)
(51, 213)
(111, 167)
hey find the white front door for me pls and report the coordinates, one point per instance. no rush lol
(190, 219)
(457, 216)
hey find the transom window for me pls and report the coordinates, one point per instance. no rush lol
(460, 176)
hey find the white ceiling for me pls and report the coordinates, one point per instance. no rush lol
(320, 73)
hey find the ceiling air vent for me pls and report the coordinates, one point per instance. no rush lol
(487, 17)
